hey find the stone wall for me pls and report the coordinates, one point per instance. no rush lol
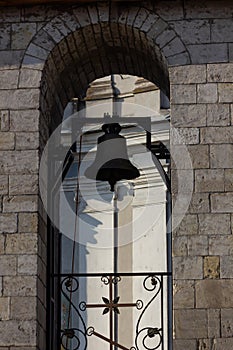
(202, 246)
(37, 44)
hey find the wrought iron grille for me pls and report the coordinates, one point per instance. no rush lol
(150, 336)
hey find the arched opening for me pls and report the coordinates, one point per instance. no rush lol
(90, 251)
(81, 57)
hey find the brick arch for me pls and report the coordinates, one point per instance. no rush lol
(92, 41)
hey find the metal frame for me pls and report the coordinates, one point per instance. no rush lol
(152, 282)
(58, 278)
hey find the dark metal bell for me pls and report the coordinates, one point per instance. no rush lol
(112, 162)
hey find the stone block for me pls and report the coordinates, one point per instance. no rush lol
(7, 265)
(9, 61)
(214, 294)
(23, 308)
(179, 59)
(188, 267)
(174, 47)
(209, 180)
(19, 286)
(195, 9)
(211, 267)
(2, 244)
(22, 33)
(156, 28)
(82, 15)
(199, 155)
(27, 120)
(4, 120)
(197, 245)
(183, 94)
(190, 324)
(219, 135)
(27, 140)
(27, 264)
(207, 93)
(30, 62)
(11, 15)
(20, 333)
(192, 32)
(226, 266)
(169, 12)
(9, 79)
(180, 246)
(7, 140)
(183, 294)
(190, 74)
(188, 226)
(182, 181)
(179, 344)
(230, 52)
(218, 115)
(220, 73)
(28, 222)
(188, 115)
(37, 51)
(221, 202)
(30, 78)
(222, 30)
(225, 92)
(229, 180)
(208, 53)
(227, 323)
(165, 37)
(8, 223)
(199, 203)
(213, 323)
(214, 224)
(221, 245)
(40, 13)
(3, 184)
(20, 203)
(217, 160)
(5, 36)
(20, 99)
(184, 136)
(23, 184)
(4, 308)
(23, 243)
(224, 343)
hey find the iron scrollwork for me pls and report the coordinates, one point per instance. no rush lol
(148, 337)
(144, 335)
(73, 338)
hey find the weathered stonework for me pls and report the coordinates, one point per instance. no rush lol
(195, 40)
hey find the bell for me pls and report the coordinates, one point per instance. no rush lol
(112, 162)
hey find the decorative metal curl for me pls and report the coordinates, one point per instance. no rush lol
(105, 280)
(90, 331)
(71, 335)
(70, 284)
(116, 279)
(82, 306)
(150, 283)
(139, 304)
(152, 333)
